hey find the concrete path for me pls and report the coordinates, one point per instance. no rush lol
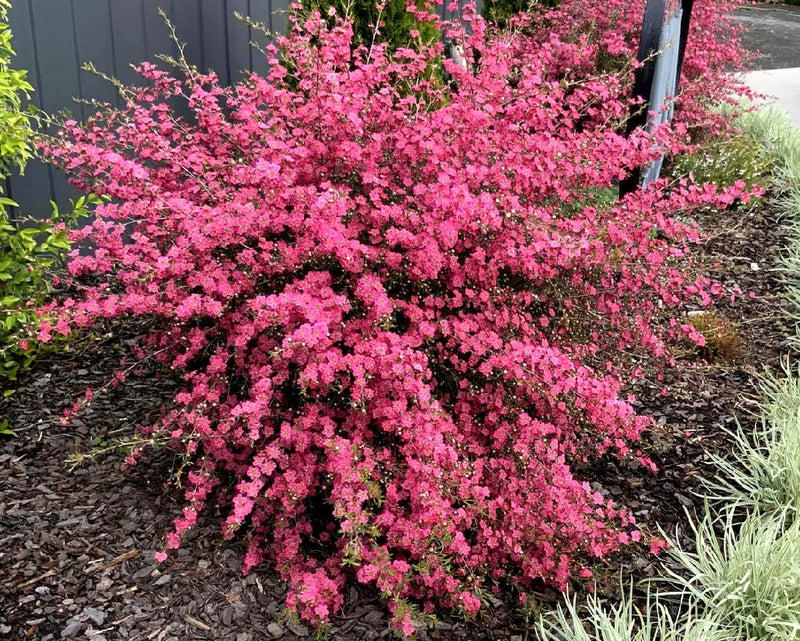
(782, 85)
(774, 31)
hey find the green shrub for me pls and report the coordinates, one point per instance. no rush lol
(29, 251)
(29, 256)
(397, 23)
(15, 148)
(500, 12)
(724, 161)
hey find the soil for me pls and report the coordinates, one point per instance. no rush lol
(76, 548)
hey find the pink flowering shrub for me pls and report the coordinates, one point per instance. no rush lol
(612, 29)
(400, 315)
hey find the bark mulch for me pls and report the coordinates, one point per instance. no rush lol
(76, 548)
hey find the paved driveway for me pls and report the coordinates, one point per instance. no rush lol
(774, 31)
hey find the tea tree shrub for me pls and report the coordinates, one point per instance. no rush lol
(399, 312)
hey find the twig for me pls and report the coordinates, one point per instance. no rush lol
(130, 554)
(30, 582)
(195, 622)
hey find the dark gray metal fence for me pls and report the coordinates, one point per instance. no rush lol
(54, 38)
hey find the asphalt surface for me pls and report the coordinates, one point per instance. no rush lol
(774, 31)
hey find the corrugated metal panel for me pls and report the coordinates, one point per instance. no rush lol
(94, 36)
(54, 38)
(34, 189)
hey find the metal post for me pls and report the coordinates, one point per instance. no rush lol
(649, 58)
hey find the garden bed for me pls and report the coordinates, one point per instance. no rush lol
(76, 557)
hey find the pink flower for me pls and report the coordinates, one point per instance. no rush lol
(657, 545)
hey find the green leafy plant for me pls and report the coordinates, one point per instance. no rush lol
(748, 575)
(29, 258)
(15, 147)
(29, 250)
(624, 620)
(725, 161)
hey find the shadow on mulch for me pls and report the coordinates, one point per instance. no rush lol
(76, 548)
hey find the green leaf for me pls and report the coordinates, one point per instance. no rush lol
(59, 242)
(5, 430)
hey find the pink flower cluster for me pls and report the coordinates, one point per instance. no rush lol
(401, 313)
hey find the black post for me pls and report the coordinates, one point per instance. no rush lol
(686, 20)
(652, 27)
(643, 79)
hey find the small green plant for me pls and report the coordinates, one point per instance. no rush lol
(748, 575)
(599, 620)
(763, 471)
(126, 447)
(725, 161)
